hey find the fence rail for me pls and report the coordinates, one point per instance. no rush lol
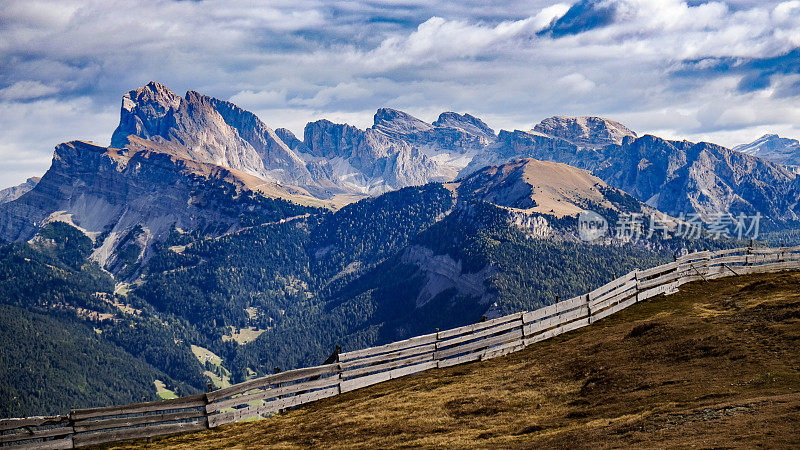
(365, 367)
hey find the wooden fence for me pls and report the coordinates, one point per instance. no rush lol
(360, 368)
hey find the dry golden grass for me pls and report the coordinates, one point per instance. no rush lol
(716, 365)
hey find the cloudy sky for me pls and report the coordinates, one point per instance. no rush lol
(725, 72)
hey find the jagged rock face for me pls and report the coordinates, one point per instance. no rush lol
(291, 140)
(589, 132)
(206, 130)
(398, 150)
(14, 192)
(677, 177)
(442, 272)
(517, 144)
(773, 148)
(110, 192)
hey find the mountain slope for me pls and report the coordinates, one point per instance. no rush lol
(68, 342)
(543, 187)
(207, 130)
(712, 366)
(52, 364)
(125, 197)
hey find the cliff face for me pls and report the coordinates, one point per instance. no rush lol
(683, 177)
(398, 150)
(207, 130)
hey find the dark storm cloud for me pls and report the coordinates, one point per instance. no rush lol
(581, 17)
(756, 74)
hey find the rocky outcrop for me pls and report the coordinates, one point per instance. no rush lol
(683, 177)
(14, 192)
(466, 123)
(397, 124)
(442, 272)
(517, 144)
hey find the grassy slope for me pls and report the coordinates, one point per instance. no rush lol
(715, 365)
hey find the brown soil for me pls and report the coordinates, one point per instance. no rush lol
(716, 365)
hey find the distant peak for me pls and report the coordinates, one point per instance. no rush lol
(151, 93)
(465, 122)
(390, 114)
(155, 85)
(587, 131)
(393, 121)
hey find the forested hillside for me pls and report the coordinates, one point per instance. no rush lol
(66, 343)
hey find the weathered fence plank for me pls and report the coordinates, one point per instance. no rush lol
(86, 439)
(494, 340)
(191, 401)
(215, 420)
(478, 326)
(361, 371)
(479, 334)
(427, 348)
(394, 346)
(271, 393)
(283, 377)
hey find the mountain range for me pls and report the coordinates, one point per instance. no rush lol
(170, 148)
(202, 244)
(774, 148)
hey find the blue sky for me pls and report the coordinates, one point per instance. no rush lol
(725, 72)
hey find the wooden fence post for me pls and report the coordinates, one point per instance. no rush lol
(436, 349)
(71, 425)
(589, 309)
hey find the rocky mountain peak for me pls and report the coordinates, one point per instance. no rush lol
(393, 122)
(589, 131)
(464, 122)
(773, 148)
(142, 112)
